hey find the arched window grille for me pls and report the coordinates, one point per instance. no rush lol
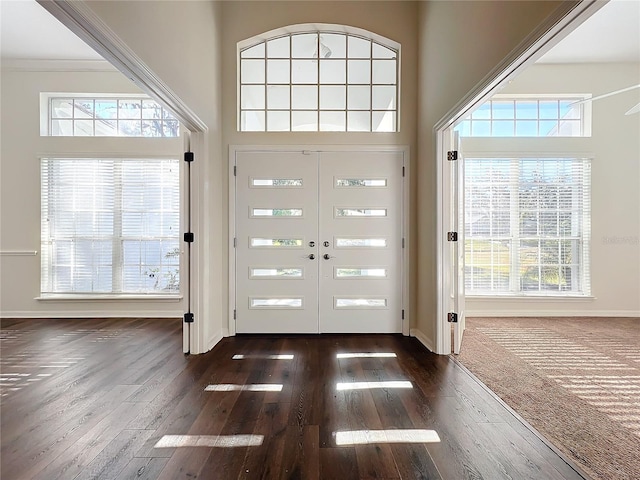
(320, 80)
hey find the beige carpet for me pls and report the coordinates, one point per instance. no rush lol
(575, 380)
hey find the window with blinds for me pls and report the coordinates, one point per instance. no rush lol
(110, 226)
(527, 226)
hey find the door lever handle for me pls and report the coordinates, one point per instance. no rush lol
(311, 256)
(326, 256)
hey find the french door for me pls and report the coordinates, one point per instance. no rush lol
(318, 242)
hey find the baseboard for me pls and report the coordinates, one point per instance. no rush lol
(553, 313)
(414, 332)
(213, 341)
(94, 314)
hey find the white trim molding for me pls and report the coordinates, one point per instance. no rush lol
(422, 338)
(216, 338)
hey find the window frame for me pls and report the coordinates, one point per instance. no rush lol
(47, 118)
(585, 118)
(318, 109)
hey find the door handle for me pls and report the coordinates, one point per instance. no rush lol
(325, 243)
(312, 244)
(326, 256)
(311, 256)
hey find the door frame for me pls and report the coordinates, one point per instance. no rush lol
(563, 21)
(405, 208)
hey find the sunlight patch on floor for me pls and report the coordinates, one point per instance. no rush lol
(366, 355)
(256, 387)
(364, 437)
(212, 441)
(263, 357)
(370, 385)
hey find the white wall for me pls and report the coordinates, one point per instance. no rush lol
(180, 41)
(22, 147)
(447, 48)
(394, 20)
(460, 43)
(615, 197)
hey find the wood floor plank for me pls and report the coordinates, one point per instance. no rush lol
(412, 461)
(55, 436)
(338, 462)
(115, 456)
(92, 398)
(78, 455)
(142, 469)
(374, 460)
(265, 461)
(210, 420)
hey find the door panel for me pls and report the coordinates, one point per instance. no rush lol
(276, 221)
(459, 246)
(342, 208)
(361, 233)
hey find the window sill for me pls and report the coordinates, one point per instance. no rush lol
(553, 298)
(64, 297)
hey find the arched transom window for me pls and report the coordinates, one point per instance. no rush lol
(318, 81)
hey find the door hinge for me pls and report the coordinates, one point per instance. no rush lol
(235, 242)
(188, 317)
(188, 156)
(452, 236)
(235, 171)
(234, 313)
(403, 171)
(452, 317)
(452, 155)
(403, 314)
(403, 243)
(189, 237)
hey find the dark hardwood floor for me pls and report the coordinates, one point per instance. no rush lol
(116, 399)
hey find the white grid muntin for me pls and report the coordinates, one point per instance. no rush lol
(320, 116)
(529, 115)
(144, 117)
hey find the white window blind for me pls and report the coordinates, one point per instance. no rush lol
(110, 226)
(527, 226)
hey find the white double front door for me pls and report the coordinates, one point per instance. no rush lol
(318, 242)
